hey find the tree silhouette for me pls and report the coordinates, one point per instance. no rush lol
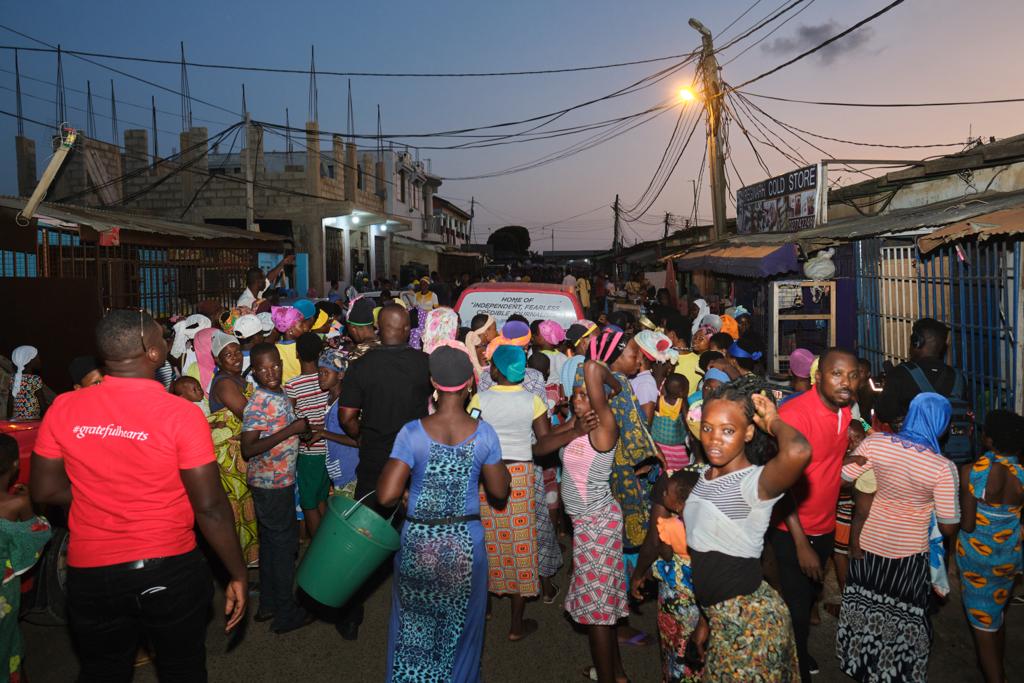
(511, 239)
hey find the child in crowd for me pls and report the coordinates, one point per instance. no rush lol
(665, 547)
(713, 379)
(310, 402)
(988, 547)
(85, 372)
(667, 428)
(547, 336)
(270, 446)
(541, 362)
(22, 537)
(342, 450)
(190, 389)
(720, 341)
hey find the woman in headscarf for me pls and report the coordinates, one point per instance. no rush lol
(229, 392)
(514, 333)
(518, 417)
(441, 570)
(442, 324)
(698, 309)
(884, 631)
(184, 332)
(655, 347)
(291, 324)
(730, 326)
(27, 388)
(204, 366)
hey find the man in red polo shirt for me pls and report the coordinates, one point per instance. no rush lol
(822, 415)
(136, 465)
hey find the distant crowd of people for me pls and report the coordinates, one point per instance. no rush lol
(655, 443)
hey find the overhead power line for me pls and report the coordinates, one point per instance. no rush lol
(960, 103)
(891, 6)
(346, 74)
(776, 13)
(54, 48)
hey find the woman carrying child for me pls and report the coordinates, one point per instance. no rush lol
(229, 393)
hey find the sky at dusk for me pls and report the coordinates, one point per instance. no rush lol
(924, 50)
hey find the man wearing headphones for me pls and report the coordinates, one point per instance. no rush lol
(929, 341)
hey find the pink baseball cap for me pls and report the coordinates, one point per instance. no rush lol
(800, 362)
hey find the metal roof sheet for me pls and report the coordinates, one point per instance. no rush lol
(103, 219)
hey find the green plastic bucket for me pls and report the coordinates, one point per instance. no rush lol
(350, 544)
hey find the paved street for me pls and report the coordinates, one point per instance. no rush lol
(555, 653)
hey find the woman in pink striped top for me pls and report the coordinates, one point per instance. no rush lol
(884, 631)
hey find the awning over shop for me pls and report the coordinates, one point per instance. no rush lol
(742, 260)
(994, 224)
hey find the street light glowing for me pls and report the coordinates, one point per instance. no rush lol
(686, 95)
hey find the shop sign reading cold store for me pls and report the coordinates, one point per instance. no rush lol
(785, 203)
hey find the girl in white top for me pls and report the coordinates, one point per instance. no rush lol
(516, 416)
(726, 516)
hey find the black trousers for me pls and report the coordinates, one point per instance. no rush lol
(112, 608)
(798, 590)
(279, 546)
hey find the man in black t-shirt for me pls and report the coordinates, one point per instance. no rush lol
(929, 341)
(383, 390)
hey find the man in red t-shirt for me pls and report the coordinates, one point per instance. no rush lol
(803, 542)
(136, 465)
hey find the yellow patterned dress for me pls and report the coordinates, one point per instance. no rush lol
(226, 430)
(989, 557)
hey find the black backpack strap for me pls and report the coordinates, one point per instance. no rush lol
(920, 378)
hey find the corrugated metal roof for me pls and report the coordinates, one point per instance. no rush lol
(932, 216)
(1005, 222)
(102, 220)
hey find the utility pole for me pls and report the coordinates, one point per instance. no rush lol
(250, 163)
(615, 239)
(713, 99)
(615, 227)
(472, 215)
(667, 217)
(552, 239)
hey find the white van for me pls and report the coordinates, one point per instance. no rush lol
(533, 301)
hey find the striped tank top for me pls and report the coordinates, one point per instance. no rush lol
(585, 475)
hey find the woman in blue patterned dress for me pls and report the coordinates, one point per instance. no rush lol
(439, 593)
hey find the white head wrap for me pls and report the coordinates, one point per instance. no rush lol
(21, 357)
(185, 330)
(702, 310)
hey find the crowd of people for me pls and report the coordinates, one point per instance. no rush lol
(653, 445)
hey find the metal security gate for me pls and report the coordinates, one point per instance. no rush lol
(974, 288)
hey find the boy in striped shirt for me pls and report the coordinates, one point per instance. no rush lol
(311, 403)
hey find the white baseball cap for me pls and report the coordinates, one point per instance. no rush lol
(247, 326)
